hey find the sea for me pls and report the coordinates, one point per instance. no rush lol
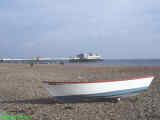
(126, 62)
(107, 62)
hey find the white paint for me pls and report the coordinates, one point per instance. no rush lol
(95, 88)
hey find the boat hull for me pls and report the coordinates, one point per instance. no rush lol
(107, 89)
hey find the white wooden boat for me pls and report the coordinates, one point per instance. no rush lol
(104, 89)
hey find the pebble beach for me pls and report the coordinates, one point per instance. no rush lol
(22, 92)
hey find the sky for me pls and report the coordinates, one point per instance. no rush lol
(114, 29)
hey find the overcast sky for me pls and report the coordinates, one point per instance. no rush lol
(60, 28)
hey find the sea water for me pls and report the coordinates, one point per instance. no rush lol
(107, 62)
(132, 62)
(125, 62)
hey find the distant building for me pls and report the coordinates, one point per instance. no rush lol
(86, 57)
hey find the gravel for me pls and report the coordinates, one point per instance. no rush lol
(22, 93)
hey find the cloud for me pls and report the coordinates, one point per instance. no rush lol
(64, 28)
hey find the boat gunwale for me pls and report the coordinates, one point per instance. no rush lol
(97, 81)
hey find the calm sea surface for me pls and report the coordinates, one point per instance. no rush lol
(135, 62)
(131, 62)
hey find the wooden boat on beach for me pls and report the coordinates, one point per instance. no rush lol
(98, 89)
